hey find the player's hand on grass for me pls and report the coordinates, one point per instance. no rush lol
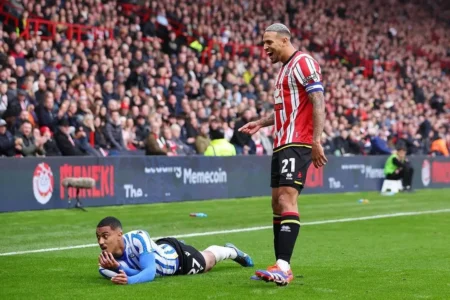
(107, 261)
(120, 278)
(250, 128)
(318, 156)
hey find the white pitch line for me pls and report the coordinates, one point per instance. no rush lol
(394, 215)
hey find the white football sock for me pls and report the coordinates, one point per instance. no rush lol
(284, 265)
(222, 253)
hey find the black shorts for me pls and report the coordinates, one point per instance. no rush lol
(191, 261)
(289, 167)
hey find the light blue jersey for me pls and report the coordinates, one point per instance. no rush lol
(143, 259)
(138, 242)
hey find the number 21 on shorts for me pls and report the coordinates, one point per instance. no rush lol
(285, 163)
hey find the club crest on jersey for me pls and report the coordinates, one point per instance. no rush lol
(278, 99)
(311, 78)
(287, 72)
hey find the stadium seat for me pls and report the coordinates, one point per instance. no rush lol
(391, 186)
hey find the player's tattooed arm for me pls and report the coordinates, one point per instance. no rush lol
(253, 127)
(318, 102)
(267, 121)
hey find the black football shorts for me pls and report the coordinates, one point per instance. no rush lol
(289, 167)
(191, 260)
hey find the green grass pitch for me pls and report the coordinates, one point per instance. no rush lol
(394, 257)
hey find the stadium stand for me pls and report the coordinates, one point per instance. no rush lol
(146, 77)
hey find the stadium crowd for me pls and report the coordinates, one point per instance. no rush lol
(147, 90)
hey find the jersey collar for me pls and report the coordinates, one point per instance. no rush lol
(293, 54)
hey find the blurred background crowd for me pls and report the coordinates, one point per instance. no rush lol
(104, 77)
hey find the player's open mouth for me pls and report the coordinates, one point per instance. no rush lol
(270, 54)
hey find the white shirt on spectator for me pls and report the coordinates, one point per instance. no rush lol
(3, 103)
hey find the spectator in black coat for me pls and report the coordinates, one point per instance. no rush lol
(12, 89)
(419, 94)
(40, 94)
(173, 44)
(437, 102)
(82, 139)
(65, 142)
(181, 120)
(327, 144)
(177, 84)
(142, 131)
(425, 126)
(108, 92)
(192, 129)
(114, 132)
(50, 147)
(136, 79)
(341, 143)
(241, 140)
(149, 28)
(100, 141)
(17, 105)
(6, 140)
(172, 105)
(410, 144)
(23, 117)
(46, 114)
(354, 144)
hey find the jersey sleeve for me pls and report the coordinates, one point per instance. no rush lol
(129, 271)
(142, 242)
(148, 272)
(307, 72)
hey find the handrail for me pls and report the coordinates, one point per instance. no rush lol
(8, 16)
(73, 31)
(77, 32)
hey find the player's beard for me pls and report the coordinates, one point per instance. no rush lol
(274, 58)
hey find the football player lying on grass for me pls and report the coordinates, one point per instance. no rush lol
(134, 257)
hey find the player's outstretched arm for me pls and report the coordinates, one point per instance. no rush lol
(253, 127)
(128, 271)
(110, 273)
(318, 102)
(108, 262)
(147, 274)
(267, 121)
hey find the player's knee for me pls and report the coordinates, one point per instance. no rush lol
(276, 207)
(210, 259)
(287, 199)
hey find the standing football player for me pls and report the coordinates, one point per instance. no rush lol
(299, 116)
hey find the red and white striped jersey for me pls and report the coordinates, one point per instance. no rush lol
(298, 77)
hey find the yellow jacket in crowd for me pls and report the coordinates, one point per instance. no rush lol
(220, 147)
